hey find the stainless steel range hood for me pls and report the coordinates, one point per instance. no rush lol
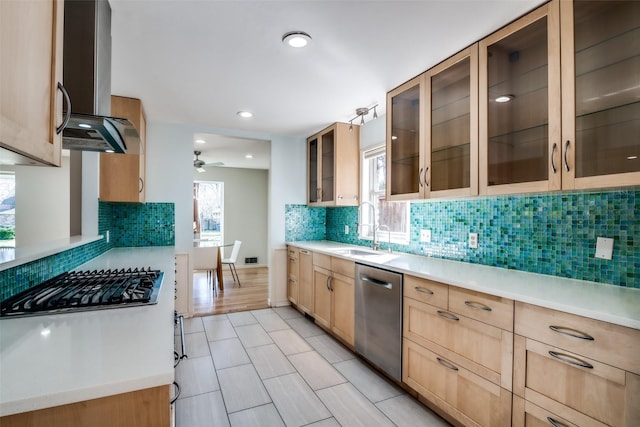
(87, 78)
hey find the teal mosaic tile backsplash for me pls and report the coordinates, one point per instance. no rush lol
(304, 223)
(135, 224)
(129, 224)
(550, 233)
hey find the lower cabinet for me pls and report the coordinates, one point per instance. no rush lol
(333, 295)
(466, 397)
(585, 372)
(148, 407)
(305, 281)
(458, 351)
(293, 271)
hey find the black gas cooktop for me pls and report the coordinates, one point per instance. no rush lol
(86, 290)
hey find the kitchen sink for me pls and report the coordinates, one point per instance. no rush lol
(356, 252)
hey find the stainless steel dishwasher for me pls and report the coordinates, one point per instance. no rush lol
(378, 318)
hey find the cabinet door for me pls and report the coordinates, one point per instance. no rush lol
(293, 271)
(31, 38)
(182, 283)
(519, 124)
(452, 126)
(322, 296)
(305, 281)
(122, 175)
(327, 178)
(405, 141)
(313, 167)
(600, 93)
(343, 300)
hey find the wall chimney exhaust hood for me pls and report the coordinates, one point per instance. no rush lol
(87, 78)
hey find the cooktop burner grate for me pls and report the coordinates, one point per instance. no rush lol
(87, 290)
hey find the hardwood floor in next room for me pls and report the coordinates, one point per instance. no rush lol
(252, 295)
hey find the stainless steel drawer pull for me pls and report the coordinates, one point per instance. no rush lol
(376, 282)
(477, 305)
(447, 316)
(570, 359)
(571, 332)
(423, 290)
(556, 423)
(447, 364)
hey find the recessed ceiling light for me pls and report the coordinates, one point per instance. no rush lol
(632, 157)
(296, 39)
(504, 98)
(84, 126)
(200, 141)
(249, 156)
(245, 114)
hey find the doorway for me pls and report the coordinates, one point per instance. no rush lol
(230, 179)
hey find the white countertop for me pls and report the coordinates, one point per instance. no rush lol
(63, 358)
(609, 303)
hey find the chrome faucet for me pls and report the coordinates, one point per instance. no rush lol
(374, 243)
(388, 233)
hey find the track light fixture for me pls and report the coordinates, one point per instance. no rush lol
(361, 112)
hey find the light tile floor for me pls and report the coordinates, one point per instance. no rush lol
(274, 367)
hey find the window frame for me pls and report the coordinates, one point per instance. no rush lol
(366, 191)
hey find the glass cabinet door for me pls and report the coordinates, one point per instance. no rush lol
(405, 141)
(452, 126)
(601, 93)
(328, 170)
(312, 170)
(520, 105)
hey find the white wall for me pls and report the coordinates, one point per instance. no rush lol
(42, 203)
(245, 208)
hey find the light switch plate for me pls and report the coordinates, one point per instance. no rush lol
(425, 236)
(604, 248)
(346, 229)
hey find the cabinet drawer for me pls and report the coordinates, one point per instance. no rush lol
(490, 309)
(482, 348)
(611, 344)
(343, 266)
(322, 260)
(578, 386)
(467, 397)
(292, 252)
(526, 414)
(425, 290)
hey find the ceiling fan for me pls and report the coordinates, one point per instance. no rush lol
(200, 164)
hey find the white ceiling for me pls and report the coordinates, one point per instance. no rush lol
(199, 62)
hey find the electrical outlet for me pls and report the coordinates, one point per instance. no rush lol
(604, 248)
(346, 229)
(425, 236)
(473, 240)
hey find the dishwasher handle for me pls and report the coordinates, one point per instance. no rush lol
(376, 282)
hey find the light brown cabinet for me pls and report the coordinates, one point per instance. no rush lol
(31, 39)
(122, 176)
(585, 371)
(333, 295)
(405, 140)
(333, 166)
(458, 350)
(293, 272)
(432, 132)
(300, 278)
(573, 126)
(600, 93)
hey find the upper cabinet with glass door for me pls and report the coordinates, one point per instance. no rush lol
(333, 166)
(519, 126)
(405, 143)
(600, 93)
(451, 162)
